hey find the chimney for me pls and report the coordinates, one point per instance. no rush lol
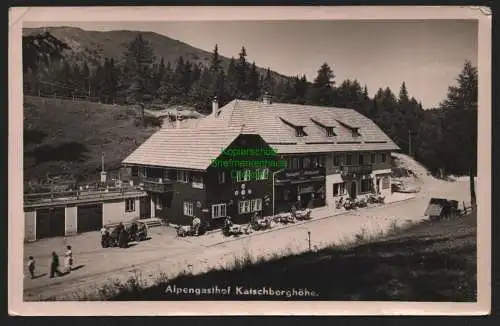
(215, 106)
(266, 98)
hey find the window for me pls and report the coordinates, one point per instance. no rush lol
(385, 183)
(336, 160)
(135, 171)
(222, 177)
(306, 163)
(243, 175)
(130, 205)
(218, 210)
(248, 206)
(355, 132)
(197, 181)
(262, 174)
(319, 161)
(348, 160)
(294, 163)
(384, 157)
(256, 205)
(166, 174)
(158, 202)
(188, 208)
(361, 159)
(299, 132)
(244, 206)
(329, 132)
(338, 189)
(142, 172)
(373, 158)
(366, 185)
(183, 176)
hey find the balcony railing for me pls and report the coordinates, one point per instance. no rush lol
(79, 195)
(157, 184)
(352, 170)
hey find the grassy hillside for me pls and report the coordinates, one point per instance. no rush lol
(94, 46)
(62, 137)
(432, 261)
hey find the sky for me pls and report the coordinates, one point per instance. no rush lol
(427, 54)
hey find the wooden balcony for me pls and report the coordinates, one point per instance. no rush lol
(351, 171)
(158, 185)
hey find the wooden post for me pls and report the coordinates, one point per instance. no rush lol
(309, 239)
(472, 190)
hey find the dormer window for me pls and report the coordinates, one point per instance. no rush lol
(299, 129)
(326, 126)
(329, 132)
(299, 132)
(355, 132)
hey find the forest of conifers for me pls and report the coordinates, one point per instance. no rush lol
(440, 138)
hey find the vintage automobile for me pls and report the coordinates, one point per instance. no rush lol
(302, 215)
(132, 231)
(440, 208)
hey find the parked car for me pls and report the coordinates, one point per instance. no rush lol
(133, 231)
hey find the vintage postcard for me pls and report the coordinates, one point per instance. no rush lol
(249, 160)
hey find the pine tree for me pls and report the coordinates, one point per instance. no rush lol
(403, 94)
(232, 81)
(242, 69)
(268, 83)
(137, 74)
(460, 114)
(253, 83)
(322, 90)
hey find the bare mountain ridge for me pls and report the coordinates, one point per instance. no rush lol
(94, 46)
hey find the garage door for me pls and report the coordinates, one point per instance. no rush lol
(89, 218)
(50, 222)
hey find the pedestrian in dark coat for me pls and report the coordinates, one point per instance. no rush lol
(54, 265)
(123, 238)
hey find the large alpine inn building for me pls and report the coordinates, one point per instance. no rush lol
(260, 156)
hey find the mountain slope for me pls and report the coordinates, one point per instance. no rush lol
(94, 46)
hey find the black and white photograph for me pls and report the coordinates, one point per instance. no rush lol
(265, 160)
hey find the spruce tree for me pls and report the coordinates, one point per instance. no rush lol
(322, 90)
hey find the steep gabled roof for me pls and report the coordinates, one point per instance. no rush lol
(269, 121)
(190, 148)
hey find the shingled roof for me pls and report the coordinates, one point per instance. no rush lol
(270, 122)
(190, 148)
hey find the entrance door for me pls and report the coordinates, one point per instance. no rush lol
(89, 218)
(50, 222)
(353, 189)
(145, 207)
(305, 198)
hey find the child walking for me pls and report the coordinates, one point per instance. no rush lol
(68, 259)
(31, 266)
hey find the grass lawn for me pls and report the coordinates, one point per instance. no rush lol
(432, 261)
(64, 137)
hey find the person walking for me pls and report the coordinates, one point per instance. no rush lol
(68, 259)
(31, 266)
(196, 225)
(54, 265)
